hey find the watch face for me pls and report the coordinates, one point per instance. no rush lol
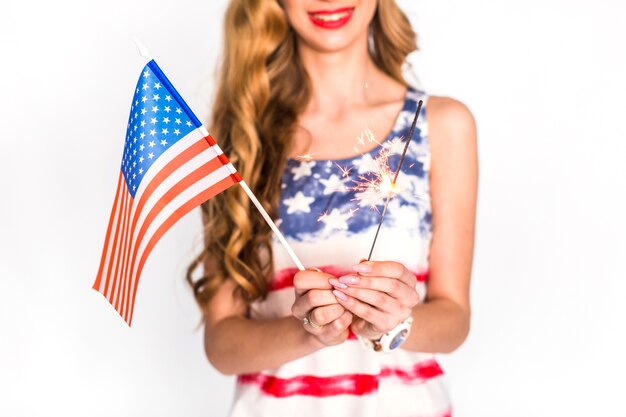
(397, 341)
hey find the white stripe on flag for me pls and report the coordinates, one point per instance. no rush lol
(166, 157)
(167, 184)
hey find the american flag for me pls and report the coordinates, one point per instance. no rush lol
(170, 165)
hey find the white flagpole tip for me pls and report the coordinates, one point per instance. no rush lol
(143, 51)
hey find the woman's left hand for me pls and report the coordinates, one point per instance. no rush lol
(380, 294)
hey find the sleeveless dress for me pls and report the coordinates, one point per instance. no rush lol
(329, 211)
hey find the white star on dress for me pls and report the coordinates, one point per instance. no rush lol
(366, 164)
(303, 170)
(395, 146)
(299, 202)
(333, 184)
(336, 220)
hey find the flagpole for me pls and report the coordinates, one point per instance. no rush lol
(146, 54)
(264, 213)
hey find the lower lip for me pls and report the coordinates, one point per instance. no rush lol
(334, 24)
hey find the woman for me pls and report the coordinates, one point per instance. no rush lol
(306, 88)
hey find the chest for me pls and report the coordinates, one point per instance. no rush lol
(339, 135)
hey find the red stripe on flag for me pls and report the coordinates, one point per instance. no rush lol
(115, 294)
(186, 182)
(174, 217)
(123, 257)
(124, 194)
(96, 285)
(116, 249)
(210, 140)
(350, 384)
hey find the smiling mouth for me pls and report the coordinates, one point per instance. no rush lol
(331, 18)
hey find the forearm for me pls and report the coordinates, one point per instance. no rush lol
(439, 326)
(238, 345)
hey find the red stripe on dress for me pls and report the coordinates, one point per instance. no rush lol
(420, 372)
(313, 386)
(348, 384)
(284, 277)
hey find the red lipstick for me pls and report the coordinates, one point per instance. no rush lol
(331, 19)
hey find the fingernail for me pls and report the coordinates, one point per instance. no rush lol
(362, 268)
(336, 283)
(349, 279)
(340, 295)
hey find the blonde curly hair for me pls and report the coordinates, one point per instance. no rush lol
(263, 88)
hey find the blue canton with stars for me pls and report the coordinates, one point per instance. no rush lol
(319, 198)
(158, 119)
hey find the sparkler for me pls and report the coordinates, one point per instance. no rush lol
(392, 185)
(370, 188)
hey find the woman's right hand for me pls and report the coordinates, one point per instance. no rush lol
(314, 294)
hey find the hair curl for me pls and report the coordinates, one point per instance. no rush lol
(263, 88)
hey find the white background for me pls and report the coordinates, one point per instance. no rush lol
(546, 82)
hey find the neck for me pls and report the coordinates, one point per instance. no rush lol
(339, 79)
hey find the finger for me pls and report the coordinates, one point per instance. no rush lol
(304, 281)
(388, 269)
(326, 314)
(341, 324)
(405, 294)
(381, 320)
(310, 300)
(381, 301)
(364, 329)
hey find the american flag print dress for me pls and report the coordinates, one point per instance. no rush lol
(329, 211)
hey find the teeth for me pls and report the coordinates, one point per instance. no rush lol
(330, 17)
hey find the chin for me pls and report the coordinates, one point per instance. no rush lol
(333, 43)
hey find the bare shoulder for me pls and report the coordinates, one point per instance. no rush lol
(451, 134)
(450, 119)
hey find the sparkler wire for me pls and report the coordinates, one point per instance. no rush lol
(393, 184)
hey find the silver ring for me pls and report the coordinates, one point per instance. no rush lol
(309, 320)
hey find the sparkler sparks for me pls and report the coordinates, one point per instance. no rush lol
(307, 157)
(377, 185)
(395, 178)
(373, 188)
(366, 137)
(345, 171)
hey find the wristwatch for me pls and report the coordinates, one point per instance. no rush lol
(390, 340)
